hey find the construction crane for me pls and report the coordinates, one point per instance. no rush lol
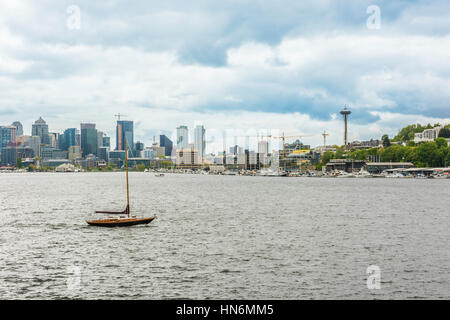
(284, 137)
(119, 115)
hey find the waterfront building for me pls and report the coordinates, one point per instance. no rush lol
(182, 137)
(346, 165)
(103, 153)
(48, 152)
(89, 139)
(124, 130)
(54, 163)
(199, 140)
(7, 134)
(187, 158)
(40, 128)
(167, 144)
(138, 148)
(19, 128)
(378, 167)
(91, 161)
(117, 157)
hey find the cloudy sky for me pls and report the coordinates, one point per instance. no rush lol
(246, 67)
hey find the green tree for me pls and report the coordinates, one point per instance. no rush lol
(140, 167)
(441, 143)
(327, 156)
(385, 140)
(19, 163)
(428, 155)
(444, 133)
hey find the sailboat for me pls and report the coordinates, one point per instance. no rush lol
(124, 219)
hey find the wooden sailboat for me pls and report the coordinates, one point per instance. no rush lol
(124, 219)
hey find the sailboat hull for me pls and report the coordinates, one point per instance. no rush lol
(120, 222)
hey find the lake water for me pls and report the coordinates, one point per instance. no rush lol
(227, 237)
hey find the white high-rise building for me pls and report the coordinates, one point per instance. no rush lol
(199, 140)
(263, 147)
(182, 137)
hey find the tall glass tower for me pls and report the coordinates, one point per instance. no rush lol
(124, 130)
(199, 140)
(167, 144)
(182, 137)
(89, 139)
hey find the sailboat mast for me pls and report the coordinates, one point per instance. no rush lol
(128, 189)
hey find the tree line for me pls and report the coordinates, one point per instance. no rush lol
(402, 149)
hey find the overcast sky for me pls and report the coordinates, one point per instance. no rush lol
(240, 66)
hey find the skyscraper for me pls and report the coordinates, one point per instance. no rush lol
(89, 139)
(40, 128)
(167, 144)
(106, 142)
(7, 134)
(199, 140)
(124, 130)
(54, 139)
(182, 137)
(19, 127)
(68, 139)
(263, 147)
(100, 135)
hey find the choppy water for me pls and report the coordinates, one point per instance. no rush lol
(224, 237)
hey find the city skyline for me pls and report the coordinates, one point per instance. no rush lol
(293, 71)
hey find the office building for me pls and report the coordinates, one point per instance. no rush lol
(74, 153)
(7, 134)
(138, 148)
(14, 151)
(167, 144)
(54, 139)
(107, 142)
(263, 147)
(68, 139)
(47, 152)
(182, 137)
(19, 128)
(148, 153)
(187, 157)
(124, 130)
(40, 128)
(117, 157)
(199, 140)
(103, 153)
(89, 139)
